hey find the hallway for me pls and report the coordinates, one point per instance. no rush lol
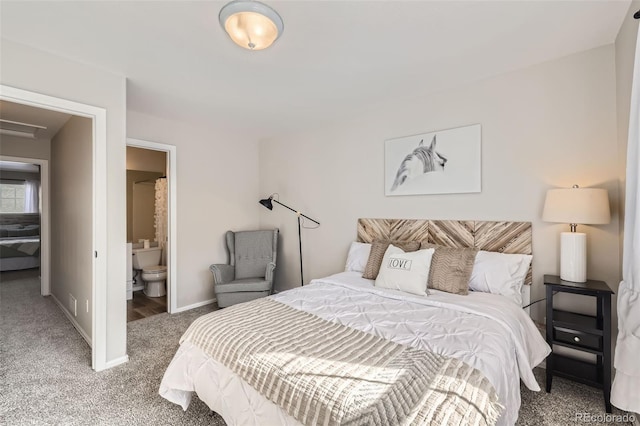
(45, 368)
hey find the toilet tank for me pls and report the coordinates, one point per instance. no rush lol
(143, 257)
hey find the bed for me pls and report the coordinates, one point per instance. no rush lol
(19, 246)
(486, 334)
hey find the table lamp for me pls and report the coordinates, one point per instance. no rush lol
(587, 206)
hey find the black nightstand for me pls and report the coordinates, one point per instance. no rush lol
(586, 333)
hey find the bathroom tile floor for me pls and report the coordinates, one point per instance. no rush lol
(142, 306)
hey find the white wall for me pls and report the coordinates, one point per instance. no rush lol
(550, 125)
(72, 218)
(13, 146)
(30, 69)
(217, 177)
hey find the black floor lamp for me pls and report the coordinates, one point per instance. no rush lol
(267, 202)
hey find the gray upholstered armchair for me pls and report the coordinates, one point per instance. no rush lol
(249, 274)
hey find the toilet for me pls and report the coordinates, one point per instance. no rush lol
(153, 274)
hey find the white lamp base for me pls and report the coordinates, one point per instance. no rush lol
(573, 256)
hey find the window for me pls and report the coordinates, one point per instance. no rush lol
(12, 197)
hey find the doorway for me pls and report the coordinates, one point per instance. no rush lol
(96, 303)
(34, 221)
(143, 175)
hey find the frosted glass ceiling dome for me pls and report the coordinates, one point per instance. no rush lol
(251, 24)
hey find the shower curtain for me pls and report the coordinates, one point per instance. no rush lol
(625, 393)
(160, 216)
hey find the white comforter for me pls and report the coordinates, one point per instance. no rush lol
(487, 331)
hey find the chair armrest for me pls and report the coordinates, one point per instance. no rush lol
(269, 274)
(222, 273)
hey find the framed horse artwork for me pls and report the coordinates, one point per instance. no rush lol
(441, 162)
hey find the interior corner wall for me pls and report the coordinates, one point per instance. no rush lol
(625, 56)
(14, 146)
(549, 125)
(27, 68)
(217, 179)
(72, 218)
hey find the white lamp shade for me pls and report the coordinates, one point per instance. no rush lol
(589, 206)
(251, 24)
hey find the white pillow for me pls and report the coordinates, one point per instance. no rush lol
(407, 272)
(500, 273)
(357, 257)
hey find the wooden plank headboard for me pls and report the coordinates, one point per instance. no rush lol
(503, 237)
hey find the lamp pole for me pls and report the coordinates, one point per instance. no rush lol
(300, 248)
(267, 204)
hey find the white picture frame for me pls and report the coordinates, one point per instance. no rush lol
(441, 162)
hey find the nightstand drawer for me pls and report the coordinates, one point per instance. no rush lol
(577, 338)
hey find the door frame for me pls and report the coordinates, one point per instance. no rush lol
(45, 242)
(98, 117)
(172, 221)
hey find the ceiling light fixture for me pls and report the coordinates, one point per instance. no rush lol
(251, 24)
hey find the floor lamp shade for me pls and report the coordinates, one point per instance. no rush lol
(589, 206)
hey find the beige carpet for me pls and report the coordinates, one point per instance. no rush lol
(46, 378)
(45, 369)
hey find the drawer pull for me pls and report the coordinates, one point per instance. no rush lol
(577, 339)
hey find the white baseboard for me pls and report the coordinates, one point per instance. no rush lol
(195, 305)
(71, 318)
(117, 361)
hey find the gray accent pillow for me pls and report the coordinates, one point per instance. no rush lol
(450, 268)
(378, 248)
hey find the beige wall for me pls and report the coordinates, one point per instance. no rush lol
(144, 217)
(146, 160)
(550, 125)
(27, 68)
(625, 54)
(72, 217)
(142, 164)
(217, 178)
(143, 209)
(14, 146)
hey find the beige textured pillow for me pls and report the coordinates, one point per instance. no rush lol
(451, 268)
(378, 248)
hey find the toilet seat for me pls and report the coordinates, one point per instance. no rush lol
(156, 269)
